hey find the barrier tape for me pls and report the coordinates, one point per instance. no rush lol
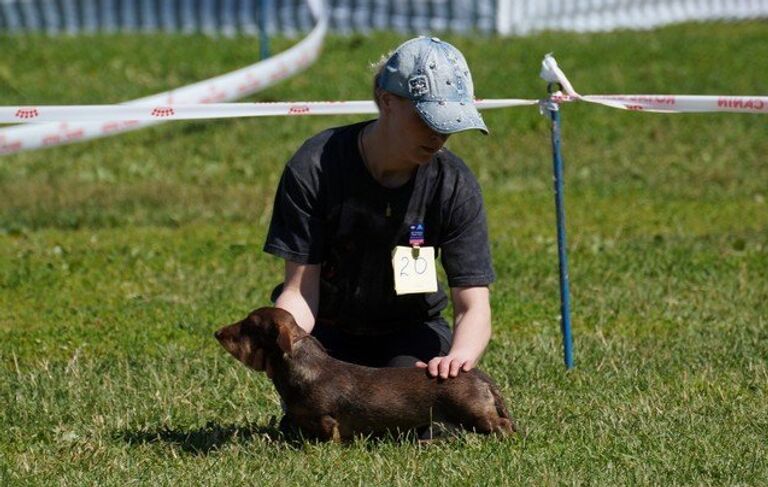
(552, 73)
(139, 113)
(55, 125)
(229, 86)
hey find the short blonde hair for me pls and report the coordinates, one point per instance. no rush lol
(378, 69)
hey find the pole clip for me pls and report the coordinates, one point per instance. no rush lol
(549, 104)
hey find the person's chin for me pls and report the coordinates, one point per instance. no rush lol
(425, 155)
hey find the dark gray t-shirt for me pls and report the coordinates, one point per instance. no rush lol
(329, 210)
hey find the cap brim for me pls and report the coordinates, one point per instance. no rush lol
(449, 117)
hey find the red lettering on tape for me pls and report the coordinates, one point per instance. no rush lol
(645, 100)
(215, 95)
(109, 127)
(161, 112)
(634, 107)
(754, 104)
(75, 134)
(250, 84)
(299, 110)
(213, 98)
(52, 139)
(6, 148)
(27, 113)
(282, 72)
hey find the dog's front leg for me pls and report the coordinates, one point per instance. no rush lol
(323, 427)
(329, 429)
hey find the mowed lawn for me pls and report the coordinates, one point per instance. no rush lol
(120, 257)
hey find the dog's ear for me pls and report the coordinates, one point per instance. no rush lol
(286, 334)
(284, 338)
(287, 330)
(274, 326)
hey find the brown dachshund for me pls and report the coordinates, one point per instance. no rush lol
(334, 400)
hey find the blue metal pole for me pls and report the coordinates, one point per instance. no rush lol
(562, 251)
(263, 35)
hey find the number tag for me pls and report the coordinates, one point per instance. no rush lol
(414, 270)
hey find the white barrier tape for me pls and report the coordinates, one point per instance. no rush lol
(552, 73)
(674, 103)
(230, 86)
(140, 113)
(683, 103)
(198, 101)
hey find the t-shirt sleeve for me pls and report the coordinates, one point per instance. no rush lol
(296, 231)
(466, 253)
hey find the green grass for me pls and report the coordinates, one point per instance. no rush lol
(120, 257)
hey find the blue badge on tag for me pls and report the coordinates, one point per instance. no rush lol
(416, 237)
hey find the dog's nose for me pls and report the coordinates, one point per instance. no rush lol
(217, 334)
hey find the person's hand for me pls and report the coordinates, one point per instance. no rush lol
(448, 366)
(260, 362)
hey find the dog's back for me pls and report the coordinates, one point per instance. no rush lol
(372, 400)
(467, 400)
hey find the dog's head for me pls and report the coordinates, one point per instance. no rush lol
(271, 329)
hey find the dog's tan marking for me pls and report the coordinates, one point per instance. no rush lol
(245, 352)
(336, 436)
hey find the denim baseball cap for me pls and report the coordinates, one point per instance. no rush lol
(434, 75)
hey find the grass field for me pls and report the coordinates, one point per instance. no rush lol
(120, 257)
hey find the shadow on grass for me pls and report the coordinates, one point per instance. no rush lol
(212, 436)
(202, 441)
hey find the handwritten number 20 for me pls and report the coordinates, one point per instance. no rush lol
(419, 265)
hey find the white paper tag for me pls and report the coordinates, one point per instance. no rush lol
(414, 270)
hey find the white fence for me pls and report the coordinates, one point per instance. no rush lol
(517, 17)
(290, 17)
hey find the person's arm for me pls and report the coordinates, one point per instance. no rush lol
(471, 332)
(301, 290)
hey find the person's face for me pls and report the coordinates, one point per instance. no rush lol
(414, 140)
